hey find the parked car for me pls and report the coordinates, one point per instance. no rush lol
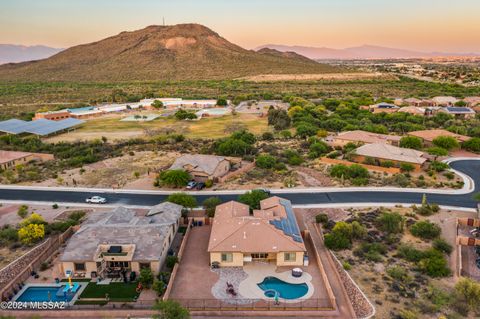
(191, 184)
(96, 200)
(200, 186)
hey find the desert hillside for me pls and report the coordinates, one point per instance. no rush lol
(178, 52)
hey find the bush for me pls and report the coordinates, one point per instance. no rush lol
(159, 287)
(398, 273)
(434, 264)
(437, 151)
(31, 233)
(265, 161)
(442, 245)
(321, 218)
(146, 277)
(372, 251)
(171, 261)
(472, 145)
(173, 178)
(22, 211)
(55, 206)
(438, 166)
(407, 167)
(425, 230)
(293, 157)
(411, 142)
(446, 142)
(346, 265)
(8, 234)
(337, 242)
(391, 222)
(410, 253)
(182, 199)
(468, 291)
(357, 173)
(387, 164)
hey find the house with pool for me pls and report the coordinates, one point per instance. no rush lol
(114, 244)
(270, 235)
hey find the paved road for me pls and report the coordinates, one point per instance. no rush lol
(302, 197)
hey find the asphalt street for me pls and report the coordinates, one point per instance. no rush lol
(302, 197)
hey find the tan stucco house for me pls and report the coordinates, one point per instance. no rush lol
(119, 242)
(10, 159)
(381, 152)
(270, 234)
(359, 137)
(203, 167)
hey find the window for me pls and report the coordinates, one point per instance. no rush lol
(79, 266)
(227, 258)
(259, 256)
(290, 256)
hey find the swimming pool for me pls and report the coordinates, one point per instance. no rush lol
(45, 293)
(284, 289)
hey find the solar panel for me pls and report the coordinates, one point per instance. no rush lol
(288, 225)
(12, 126)
(40, 127)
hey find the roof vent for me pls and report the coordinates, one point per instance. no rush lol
(244, 235)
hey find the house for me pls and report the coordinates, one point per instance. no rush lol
(52, 115)
(428, 136)
(413, 110)
(382, 152)
(383, 108)
(458, 112)
(117, 243)
(270, 234)
(202, 167)
(412, 101)
(361, 137)
(444, 101)
(472, 101)
(10, 159)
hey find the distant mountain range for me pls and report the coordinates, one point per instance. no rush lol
(12, 53)
(360, 52)
(177, 52)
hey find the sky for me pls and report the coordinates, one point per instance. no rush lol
(424, 25)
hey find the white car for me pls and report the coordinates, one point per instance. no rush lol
(96, 200)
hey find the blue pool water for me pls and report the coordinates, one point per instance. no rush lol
(285, 290)
(45, 294)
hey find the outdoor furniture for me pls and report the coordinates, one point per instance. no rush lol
(215, 265)
(297, 272)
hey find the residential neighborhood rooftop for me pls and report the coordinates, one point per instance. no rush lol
(367, 137)
(119, 227)
(389, 152)
(8, 156)
(430, 135)
(273, 228)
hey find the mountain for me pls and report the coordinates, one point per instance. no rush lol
(360, 52)
(178, 52)
(18, 53)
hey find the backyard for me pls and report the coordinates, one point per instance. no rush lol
(116, 291)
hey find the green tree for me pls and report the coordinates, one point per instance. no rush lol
(305, 130)
(146, 277)
(182, 199)
(279, 119)
(253, 198)
(318, 149)
(173, 178)
(437, 151)
(472, 144)
(222, 102)
(169, 309)
(157, 104)
(446, 142)
(210, 204)
(185, 115)
(411, 142)
(265, 161)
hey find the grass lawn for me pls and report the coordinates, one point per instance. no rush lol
(116, 291)
(213, 127)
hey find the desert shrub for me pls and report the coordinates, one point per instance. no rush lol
(387, 164)
(391, 222)
(265, 161)
(407, 167)
(425, 230)
(321, 218)
(22, 211)
(253, 198)
(336, 242)
(371, 251)
(398, 273)
(159, 287)
(442, 245)
(293, 157)
(472, 145)
(411, 142)
(438, 166)
(446, 142)
(468, 291)
(173, 178)
(8, 234)
(410, 253)
(346, 265)
(434, 264)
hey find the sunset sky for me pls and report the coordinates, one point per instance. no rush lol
(426, 25)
